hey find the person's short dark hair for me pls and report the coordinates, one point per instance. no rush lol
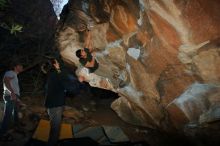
(53, 61)
(13, 64)
(78, 53)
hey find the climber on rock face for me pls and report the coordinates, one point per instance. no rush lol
(85, 55)
(87, 59)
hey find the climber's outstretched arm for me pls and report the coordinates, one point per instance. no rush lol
(88, 41)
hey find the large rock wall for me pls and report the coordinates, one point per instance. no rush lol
(167, 51)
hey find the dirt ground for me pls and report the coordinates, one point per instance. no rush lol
(92, 108)
(85, 108)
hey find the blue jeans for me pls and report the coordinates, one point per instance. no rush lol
(10, 109)
(55, 115)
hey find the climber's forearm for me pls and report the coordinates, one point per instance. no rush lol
(88, 42)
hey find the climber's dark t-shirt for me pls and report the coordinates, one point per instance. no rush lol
(83, 61)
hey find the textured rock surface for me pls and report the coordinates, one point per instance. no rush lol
(167, 51)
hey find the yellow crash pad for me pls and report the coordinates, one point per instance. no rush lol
(43, 129)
